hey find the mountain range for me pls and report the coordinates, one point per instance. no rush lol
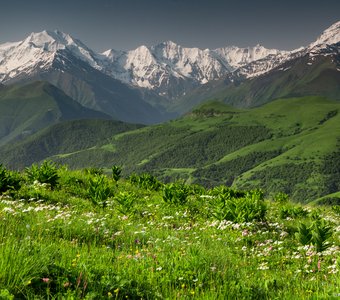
(153, 84)
(247, 117)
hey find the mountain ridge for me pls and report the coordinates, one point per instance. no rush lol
(165, 61)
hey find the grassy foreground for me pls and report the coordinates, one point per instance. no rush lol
(85, 235)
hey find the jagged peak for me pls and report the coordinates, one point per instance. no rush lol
(329, 36)
(168, 43)
(47, 36)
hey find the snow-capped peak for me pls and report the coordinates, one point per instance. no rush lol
(50, 40)
(39, 50)
(330, 36)
(238, 57)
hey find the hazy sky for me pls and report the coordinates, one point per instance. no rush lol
(126, 24)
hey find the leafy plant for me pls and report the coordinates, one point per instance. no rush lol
(99, 190)
(94, 171)
(304, 234)
(116, 173)
(9, 180)
(176, 193)
(281, 197)
(239, 209)
(317, 234)
(291, 211)
(322, 231)
(47, 172)
(146, 181)
(125, 201)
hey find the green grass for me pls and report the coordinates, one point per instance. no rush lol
(156, 241)
(215, 144)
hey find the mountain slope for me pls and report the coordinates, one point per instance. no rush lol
(62, 138)
(287, 145)
(27, 109)
(68, 64)
(317, 72)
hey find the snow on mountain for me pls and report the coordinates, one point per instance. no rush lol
(162, 68)
(38, 51)
(156, 66)
(238, 57)
(330, 36)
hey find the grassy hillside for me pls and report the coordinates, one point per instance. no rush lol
(25, 110)
(61, 139)
(83, 235)
(289, 145)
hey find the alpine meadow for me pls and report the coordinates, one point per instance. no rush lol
(169, 172)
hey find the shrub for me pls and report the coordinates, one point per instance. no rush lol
(322, 231)
(125, 202)
(116, 173)
(94, 171)
(317, 234)
(9, 180)
(290, 211)
(99, 190)
(146, 181)
(281, 197)
(176, 193)
(47, 172)
(251, 207)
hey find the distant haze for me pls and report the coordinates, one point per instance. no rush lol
(126, 24)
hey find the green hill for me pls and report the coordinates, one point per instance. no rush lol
(288, 145)
(26, 109)
(61, 139)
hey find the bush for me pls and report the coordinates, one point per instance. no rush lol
(290, 211)
(317, 234)
(125, 201)
(251, 207)
(145, 181)
(176, 193)
(9, 180)
(46, 173)
(116, 173)
(99, 190)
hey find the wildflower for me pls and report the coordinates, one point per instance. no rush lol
(245, 232)
(8, 209)
(45, 279)
(283, 234)
(159, 269)
(319, 265)
(263, 266)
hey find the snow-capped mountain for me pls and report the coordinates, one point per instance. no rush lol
(38, 52)
(330, 36)
(167, 70)
(165, 67)
(238, 57)
(166, 64)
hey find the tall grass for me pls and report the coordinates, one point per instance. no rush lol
(145, 243)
